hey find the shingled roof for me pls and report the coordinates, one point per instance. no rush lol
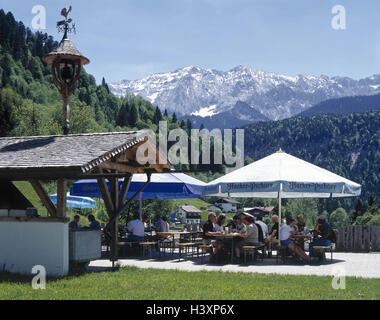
(77, 153)
(67, 48)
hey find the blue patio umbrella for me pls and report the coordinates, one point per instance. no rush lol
(75, 202)
(161, 186)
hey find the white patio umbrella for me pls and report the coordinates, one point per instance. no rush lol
(282, 175)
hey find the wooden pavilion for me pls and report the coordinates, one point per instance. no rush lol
(61, 158)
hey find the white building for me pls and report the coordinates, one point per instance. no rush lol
(190, 215)
(227, 205)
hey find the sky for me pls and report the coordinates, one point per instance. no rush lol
(131, 39)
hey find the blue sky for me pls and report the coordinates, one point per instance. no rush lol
(130, 39)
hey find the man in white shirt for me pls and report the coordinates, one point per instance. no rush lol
(136, 228)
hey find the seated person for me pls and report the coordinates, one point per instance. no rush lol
(250, 237)
(322, 235)
(263, 229)
(238, 224)
(273, 234)
(74, 225)
(136, 229)
(300, 223)
(161, 225)
(286, 232)
(94, 225)
(209, 232)
(219, 223)
(301, 228)
(167, 227)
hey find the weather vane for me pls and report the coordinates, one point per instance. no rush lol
(64, 25)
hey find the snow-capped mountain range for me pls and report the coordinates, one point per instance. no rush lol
(205, 93)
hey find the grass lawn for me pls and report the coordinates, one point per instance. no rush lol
(151, 284)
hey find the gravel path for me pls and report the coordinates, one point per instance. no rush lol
(366, 265)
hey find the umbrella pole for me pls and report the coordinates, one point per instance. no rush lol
(279, 205)
(140, 206)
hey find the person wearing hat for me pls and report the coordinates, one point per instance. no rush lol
(251, 237)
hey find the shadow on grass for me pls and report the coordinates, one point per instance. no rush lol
(75, 270)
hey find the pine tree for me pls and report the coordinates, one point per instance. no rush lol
(174, 119)
(105, 85)
(133, 116)
(157, 116)
(165, 113)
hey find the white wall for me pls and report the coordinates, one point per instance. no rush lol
(24, 244)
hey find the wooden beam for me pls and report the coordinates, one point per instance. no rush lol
(106, 195)
(44, 197)
(125, 188)
(121, 167)
(61, 197)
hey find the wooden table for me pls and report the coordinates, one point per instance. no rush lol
(300, 237)
(172, 234)
(229, 236)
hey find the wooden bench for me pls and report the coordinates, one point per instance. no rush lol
(185, 246)
(323, 250)
(122, 247)
(166, 244)
(204, 249)
(251, 251)
(147, 246)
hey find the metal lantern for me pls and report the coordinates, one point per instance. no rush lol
(66, 63)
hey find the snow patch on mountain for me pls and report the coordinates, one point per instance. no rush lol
(205, 112)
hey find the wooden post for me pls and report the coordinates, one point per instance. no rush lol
(341, 237)
(375, 231)
(358, 238)
(114, 182)
(366, 238)
(349, 239)
(61, 197)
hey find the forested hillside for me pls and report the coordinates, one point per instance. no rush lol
(344, 106)
(30, 104)
(348, 146)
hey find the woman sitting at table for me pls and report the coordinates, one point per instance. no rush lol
(220, 223)
(250, 237)
(286, 232)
